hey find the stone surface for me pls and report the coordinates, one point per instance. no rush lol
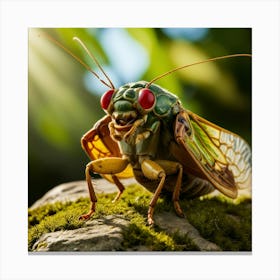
(171, 224)
(104, 234)
(73, 190)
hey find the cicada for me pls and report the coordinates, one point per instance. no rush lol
(147, 134)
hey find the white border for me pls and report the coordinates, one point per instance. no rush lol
(17, 16)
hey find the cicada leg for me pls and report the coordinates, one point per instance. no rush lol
(153, 171)
(120, 187)
(171, 167)
(112, 166)
(157, 170)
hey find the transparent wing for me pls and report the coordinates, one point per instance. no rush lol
(216, 154)
(97, 143)
(236, 151)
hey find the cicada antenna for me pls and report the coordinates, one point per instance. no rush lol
(50, 38)
(94, 59)
(195, 63)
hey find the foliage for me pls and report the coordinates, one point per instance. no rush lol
(218, 220)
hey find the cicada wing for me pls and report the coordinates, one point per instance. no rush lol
(98, 143)
(213, 153)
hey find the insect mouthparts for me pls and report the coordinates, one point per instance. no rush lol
(126, 118)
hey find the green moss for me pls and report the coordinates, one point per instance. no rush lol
(217, 219)
(225, 223)
(139, 235)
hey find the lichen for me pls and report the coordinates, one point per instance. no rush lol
(217, 219)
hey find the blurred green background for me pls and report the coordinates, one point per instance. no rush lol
(64, 97)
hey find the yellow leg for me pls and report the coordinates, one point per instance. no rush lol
(155, 170)
(171, 167)
(112, 166)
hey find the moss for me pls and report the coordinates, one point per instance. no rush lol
(217, 219)
(138, 235)
(223, 222)
(54, 217)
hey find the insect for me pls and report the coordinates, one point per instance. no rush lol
(148, 134)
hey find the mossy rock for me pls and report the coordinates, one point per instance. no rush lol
(218, 221)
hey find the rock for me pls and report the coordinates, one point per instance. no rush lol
(107, 233)
(171, 223)
(104, 234)
(77, 189)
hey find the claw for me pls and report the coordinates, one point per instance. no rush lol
(85, 217)
(178, 209)
(150, 222)
(117, 197)
(150, 216)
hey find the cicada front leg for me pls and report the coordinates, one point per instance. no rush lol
(158, 170)
(112, 165)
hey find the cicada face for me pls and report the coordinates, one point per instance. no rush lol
(128, 103)
(134, 101)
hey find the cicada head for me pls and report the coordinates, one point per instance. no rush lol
(134, 100)
(128, 103)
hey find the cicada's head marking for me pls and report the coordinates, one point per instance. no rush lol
(134, 100)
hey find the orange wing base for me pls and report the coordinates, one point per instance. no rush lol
(98, 144)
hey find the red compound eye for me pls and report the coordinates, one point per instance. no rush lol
(146, 98)
(106, 98)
